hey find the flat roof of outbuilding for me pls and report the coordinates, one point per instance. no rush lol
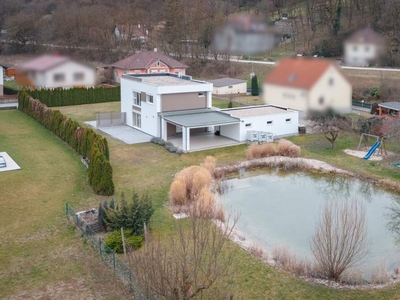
(391, 105)
(226, 81)
(253, 111)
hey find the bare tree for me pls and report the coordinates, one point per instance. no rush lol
(330, 124)
(187, 264)
(340, 239)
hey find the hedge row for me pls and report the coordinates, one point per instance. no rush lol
(76, 96)
(83, 140)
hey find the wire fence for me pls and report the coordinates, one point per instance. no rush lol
(108, 255)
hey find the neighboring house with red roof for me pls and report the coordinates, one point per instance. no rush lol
(308, 84)
(55, 71)
(364, 47)
(147, 62)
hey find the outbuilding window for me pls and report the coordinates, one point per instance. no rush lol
(270, 122)
(288, 120)
(248, 125)
(200, 94)
(59, 77)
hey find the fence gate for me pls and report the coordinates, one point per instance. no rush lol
(111, 119)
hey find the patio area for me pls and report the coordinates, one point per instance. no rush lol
(123, 133)
(203, 141)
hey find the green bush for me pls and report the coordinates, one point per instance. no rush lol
(83, 140)
(76, 96)
(131, 216)
(114, 241)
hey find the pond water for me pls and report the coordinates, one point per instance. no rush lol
(281, 209)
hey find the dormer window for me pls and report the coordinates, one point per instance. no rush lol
(331, 81)
(158, 64)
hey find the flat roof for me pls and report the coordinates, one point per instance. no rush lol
(165, 79)
(226, 81)
(252, 111)
(199, 118)
(391, 105)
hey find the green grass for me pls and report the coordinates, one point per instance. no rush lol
(149, 167)
(221, 103)
(88, 112)
(40, 253)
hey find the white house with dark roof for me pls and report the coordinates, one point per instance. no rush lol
(55, 71)
(147, 62)
(226, 86)
(364, 47)
(177, 108)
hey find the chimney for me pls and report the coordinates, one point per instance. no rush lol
(155, 49)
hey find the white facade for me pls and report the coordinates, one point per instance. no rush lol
(239, 88)
(149, 111)
(66, 75)
(280, 121)
(331, 90)
(361, 54)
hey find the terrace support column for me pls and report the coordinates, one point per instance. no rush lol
(184, 132)
(164, 129)
(188, 139)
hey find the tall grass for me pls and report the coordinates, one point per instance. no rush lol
(191, 191)
(283, 148)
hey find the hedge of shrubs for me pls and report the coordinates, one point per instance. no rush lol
(76, 96)
(83, 140)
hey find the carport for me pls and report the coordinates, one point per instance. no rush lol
(190, 121)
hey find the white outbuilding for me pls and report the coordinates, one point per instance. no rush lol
(226, 86)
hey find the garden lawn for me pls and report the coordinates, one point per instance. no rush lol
(149, 167)
(41, 254)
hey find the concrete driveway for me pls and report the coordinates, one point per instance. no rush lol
(124, 133)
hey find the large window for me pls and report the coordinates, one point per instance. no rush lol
(59, 77)
(137, 119)
(137, 98)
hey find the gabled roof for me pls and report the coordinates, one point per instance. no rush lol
(226, 81)
(144, 59)
(42, 63)
(300, 73)
(365, 36)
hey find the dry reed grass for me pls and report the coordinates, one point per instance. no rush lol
(191, 191)
(283, 148)
(290, 263)
(379, 274)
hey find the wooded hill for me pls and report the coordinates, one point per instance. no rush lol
(185, 26)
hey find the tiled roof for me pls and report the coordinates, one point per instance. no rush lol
(42, 63)
(298, 72)
(365, 36)
(143, 60)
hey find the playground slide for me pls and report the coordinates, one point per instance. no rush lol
(372, 150)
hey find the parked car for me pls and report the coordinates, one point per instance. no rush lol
(3, 163)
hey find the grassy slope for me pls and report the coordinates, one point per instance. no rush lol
(39, 250)
(148, 167)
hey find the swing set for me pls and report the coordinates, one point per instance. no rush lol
(379, 143)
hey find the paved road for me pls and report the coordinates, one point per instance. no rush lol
(343, 67)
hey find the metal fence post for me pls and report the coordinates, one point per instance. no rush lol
(114, 260)
(100, 245)
(66, 209)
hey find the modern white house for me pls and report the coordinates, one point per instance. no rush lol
(364, 47)
(308, 84)
(177, 108)
(226, 86)
(55, 71)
